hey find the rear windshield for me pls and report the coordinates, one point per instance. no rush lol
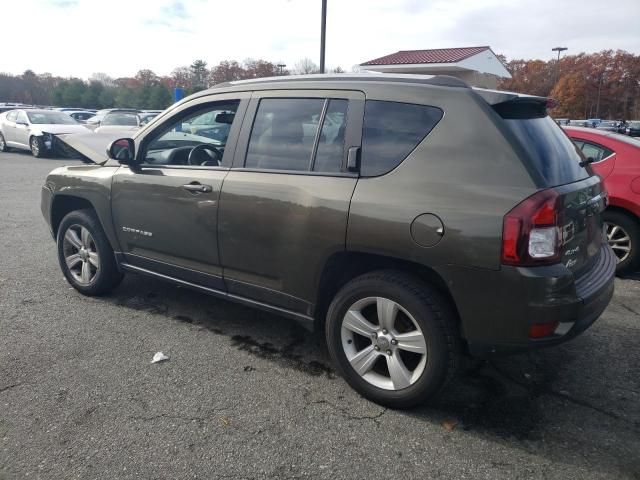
(551, 152)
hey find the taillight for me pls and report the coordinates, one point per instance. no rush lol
(530, 232)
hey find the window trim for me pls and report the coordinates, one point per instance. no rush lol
(422, 139)
(597, 145)
(353, 131)
(201, 103)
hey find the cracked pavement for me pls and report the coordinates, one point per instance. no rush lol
(250, 395)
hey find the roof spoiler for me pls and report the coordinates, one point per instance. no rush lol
(511, 105)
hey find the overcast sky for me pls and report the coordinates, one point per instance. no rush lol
(120, 37)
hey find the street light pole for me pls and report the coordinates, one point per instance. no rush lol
(558, 49)
(323, 32)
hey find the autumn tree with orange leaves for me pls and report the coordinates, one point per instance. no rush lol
(604, 84)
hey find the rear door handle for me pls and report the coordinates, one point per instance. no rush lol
(197, 187)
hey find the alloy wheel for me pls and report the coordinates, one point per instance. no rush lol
(619, 241)
(383, 343)
(3, 144)
(35, 146)
(80, 254)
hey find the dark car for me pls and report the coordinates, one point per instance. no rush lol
(608, 126)
(424, 221)
(95, 121)
(633, 129)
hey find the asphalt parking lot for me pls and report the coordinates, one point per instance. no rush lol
(250, 395)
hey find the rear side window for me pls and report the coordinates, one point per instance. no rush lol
(391, 131)
(284, 132)
(596, 152)
(551, 152)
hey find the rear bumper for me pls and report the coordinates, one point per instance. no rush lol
(497, 308)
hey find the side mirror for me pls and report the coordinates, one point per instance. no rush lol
(123, 150)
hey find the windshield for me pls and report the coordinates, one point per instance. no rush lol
(128, 119)
(552, 153)
(51, 118)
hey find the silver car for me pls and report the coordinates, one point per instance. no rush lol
(34, 130)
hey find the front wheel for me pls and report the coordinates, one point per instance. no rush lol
(37, 147)
(623, 235)
(393, 338)
(85, 255)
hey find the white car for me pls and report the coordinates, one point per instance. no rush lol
(122, 122)
(35, 130)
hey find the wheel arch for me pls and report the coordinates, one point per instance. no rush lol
(62, 205)
(342, 267)
(625, 211)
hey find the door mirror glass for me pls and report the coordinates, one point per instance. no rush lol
(123, 150)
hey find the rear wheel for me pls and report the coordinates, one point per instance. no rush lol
(623, 235)
(85, 255)
(3, 144)
(37, 147)
(393, 338)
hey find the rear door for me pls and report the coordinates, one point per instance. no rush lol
(9, 126)
(284, 205)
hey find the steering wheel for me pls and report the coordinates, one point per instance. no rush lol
(212, 157)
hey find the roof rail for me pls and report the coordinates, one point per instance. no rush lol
(438, 80)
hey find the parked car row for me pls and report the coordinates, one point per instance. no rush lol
(615, 158)
(631, 128)
(33, 129)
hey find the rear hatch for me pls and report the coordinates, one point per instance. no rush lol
(556, 163)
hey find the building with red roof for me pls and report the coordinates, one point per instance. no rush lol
(478, 66)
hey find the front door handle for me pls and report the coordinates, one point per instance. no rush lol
(197, 187)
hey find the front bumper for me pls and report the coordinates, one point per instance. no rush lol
(497, 308)
(46, 199)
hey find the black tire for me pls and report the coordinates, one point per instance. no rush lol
(631, 226)
(37, 147)
(106, 276)
(430, 311)
(3, 144)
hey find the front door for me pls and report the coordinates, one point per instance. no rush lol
(165, 209)
(284, 206)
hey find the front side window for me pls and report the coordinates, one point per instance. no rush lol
(391, 131)
(197, 139)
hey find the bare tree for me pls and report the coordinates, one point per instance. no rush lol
(306, 66)
(102, 78)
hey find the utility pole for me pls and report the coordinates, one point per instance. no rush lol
(323, 34)
(599, 90)
(558, 49)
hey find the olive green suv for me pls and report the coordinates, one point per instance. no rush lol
(413, 219)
